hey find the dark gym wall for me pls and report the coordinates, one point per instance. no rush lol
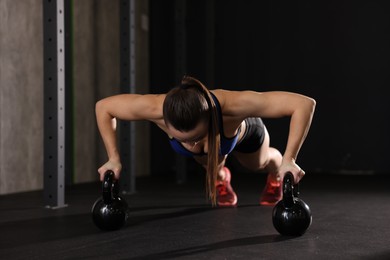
(335, 51)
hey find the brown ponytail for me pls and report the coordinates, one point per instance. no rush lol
(184, 109)
(213, 141)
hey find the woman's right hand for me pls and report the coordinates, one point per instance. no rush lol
(114, 166)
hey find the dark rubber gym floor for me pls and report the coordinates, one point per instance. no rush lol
(351, 220)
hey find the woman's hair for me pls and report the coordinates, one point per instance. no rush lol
(187, 105)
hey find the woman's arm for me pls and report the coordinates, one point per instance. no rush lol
(125, 107)
(276, 104)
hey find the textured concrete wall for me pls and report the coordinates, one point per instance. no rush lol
(108, 60)
(84, 80)
(95, 75)
(21, 95)
(108, 70)
(142, 83)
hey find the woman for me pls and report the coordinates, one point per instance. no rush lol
(210, 125)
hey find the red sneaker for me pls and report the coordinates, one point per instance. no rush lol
(226, 197)
(272, 192)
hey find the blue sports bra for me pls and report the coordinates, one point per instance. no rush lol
(227, 144)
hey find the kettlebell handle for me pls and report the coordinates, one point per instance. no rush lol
(109, 187)
(290, 190)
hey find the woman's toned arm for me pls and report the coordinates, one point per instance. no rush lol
(129, 107)
(275, 104)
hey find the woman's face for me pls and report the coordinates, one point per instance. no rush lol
(195, 135)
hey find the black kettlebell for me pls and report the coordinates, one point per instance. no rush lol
(291, 216)
(110, 212)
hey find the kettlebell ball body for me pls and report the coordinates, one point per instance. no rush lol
(111, 216)
(293, 221)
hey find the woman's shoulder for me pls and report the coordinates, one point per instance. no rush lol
(237, 103)
(226, 98)
(221, 95)
(226, 95)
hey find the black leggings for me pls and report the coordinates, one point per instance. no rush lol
(253, 137)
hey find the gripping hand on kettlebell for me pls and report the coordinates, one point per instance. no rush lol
(289, 165)
(113, 165)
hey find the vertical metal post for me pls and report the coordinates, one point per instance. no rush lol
(54, 103)
(127, 74)
(69, 135)
(180, 70)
